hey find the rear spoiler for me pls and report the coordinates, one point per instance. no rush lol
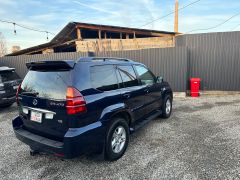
(51, 65)
(4, 68)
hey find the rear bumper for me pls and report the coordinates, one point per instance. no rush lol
(76, 141)
(8, 100)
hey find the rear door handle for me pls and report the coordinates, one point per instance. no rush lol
(126, 95)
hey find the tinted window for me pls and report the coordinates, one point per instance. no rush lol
(8, 76)
(104, 77)
(145, 75)
(50, 85)
(128, 76)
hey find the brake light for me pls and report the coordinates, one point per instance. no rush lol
(75, 102)
(17, 93)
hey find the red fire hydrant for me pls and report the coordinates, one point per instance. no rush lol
(195, 86)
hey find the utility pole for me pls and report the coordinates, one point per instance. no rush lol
(176, 17)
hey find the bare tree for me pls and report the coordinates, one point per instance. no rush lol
(3, 45)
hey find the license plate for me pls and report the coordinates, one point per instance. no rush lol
(15, 87)
(36, 116)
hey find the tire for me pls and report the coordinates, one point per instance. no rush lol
(117, 133)
(6, 105)
(167, 107)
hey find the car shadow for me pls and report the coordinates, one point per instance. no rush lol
(8, 109)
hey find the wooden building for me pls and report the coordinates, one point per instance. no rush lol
(83, 37)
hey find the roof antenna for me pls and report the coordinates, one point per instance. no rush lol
(47, 35)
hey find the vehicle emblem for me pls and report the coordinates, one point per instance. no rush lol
(35, 102)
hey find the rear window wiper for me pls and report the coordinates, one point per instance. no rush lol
(28, 93)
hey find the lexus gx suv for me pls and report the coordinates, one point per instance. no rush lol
(67, 108)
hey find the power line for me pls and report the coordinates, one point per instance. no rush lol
(220, 24)
(187, 5)
(235, 27)
(26, 27)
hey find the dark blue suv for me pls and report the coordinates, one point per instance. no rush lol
(68, 108)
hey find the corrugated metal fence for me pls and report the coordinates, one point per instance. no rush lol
(215, 58)
(19, 62)
(171, 63)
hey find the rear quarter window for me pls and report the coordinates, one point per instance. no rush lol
(104, 77)
(128, 76)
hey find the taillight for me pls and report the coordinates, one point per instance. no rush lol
(75, 102)
(1, 86)
(18, 89)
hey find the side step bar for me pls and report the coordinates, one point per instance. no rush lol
(141, 123)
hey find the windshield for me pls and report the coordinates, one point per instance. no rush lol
(8, 76)
(45, 84)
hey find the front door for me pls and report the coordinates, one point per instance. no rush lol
(133, 95)
(152, 88)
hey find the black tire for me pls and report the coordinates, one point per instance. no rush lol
(6, 105)
(166, 113)
(109, 151)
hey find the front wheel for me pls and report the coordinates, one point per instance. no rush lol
(117, 139)
(167, 107)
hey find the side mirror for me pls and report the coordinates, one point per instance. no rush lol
(159, 79)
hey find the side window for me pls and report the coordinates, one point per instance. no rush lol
(104, 77)
(128, 76)
(145, 75)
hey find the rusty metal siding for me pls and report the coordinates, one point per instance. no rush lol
(215, 58)
(171, 63)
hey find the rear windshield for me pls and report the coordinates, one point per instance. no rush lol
(49, 85)
(8, 76)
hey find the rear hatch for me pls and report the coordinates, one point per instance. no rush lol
(9, 81)
(42, 98)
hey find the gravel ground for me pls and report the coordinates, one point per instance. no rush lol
(200, 141)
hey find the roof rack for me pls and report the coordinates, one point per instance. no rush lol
(105, 59)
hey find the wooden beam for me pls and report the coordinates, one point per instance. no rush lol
(124, 44)
(79, 35)
(120, 35)
(105, 35)
(134, 35)
(99, 34)
(127, 36)
(125, 30)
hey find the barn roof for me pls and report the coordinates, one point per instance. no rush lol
(66, 35)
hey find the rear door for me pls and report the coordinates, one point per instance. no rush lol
(132, 93)
(42, 100)
(152, 88)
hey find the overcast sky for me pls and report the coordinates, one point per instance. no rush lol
(54, 15)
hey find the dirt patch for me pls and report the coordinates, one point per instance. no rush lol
(156, 142)
(49, 172)
(224, 103)
(237, 113)
(186, 109)
(205, 106)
